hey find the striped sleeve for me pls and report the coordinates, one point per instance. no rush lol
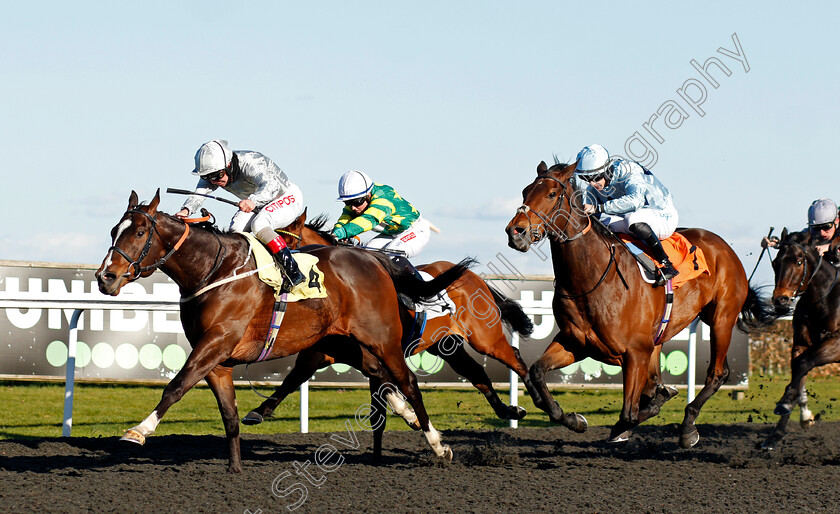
(376, 213)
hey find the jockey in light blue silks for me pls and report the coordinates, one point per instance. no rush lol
(629, 200)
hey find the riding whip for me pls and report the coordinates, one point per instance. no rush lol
(187, 192)
(760, 255)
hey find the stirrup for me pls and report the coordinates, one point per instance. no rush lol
(664, 274)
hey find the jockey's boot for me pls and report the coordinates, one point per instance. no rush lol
(404, 263)
(646, 235)
(284, 261)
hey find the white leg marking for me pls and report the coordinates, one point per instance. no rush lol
(149, 424)
(433, 438)
(401, 408)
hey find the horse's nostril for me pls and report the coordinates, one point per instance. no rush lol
(109, 276)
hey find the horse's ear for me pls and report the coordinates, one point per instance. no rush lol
(542, 168)
(155, 202)
(784, 234)
(132, 200)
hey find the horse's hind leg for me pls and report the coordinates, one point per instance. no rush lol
(720, 320)
(395, 365)
(554, 357)
(221, 383)
(460, 361)
(306, 364)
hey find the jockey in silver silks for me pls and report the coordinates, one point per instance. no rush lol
(629, 199)
(268, 199)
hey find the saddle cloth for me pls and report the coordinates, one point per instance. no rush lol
(442, 305)
(312, 287)
(686, 258)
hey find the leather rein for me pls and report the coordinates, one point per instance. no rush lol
(561, 238)
(139, 269)
(803, 283)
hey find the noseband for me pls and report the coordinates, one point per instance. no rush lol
(560, 235)
(135, 264)
(803, 283)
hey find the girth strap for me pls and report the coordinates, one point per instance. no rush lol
(277, 316)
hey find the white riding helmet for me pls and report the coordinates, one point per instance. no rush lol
(822, 211)
(353, 184)
(212, 156)
(592, 160)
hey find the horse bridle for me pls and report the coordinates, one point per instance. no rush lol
(803, 284)
(136, 263)
(560, 237)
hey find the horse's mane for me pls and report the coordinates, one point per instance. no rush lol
(317, 225)
(803, 237)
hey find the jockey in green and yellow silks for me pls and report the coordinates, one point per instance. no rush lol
(377, 207)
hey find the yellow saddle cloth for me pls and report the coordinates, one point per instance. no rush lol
(312, 287)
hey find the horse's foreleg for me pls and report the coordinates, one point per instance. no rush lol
(635, 367)
(554, 357)
(461, 362)
(306, 364)
(221, 383)
(819, 354)
(202, 359)
(378, 419)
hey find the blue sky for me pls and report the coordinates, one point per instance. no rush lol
(452, 103)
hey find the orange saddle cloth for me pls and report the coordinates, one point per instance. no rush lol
(686, 258)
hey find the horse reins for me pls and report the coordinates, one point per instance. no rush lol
(800, 290)
(136, 263)
(563, 239)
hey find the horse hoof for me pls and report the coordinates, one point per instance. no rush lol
(414, 425)
(516, 413)
(806, 423)
(133, 436)
(252, 418)
(690, 439)
(782, 409)
(447, 454)
(620, 438)
(580, 424)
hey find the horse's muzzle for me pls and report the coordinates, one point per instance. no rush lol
(109, 282)
(782, 304)
(518, 238)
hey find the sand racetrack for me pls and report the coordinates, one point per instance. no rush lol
(493, 471)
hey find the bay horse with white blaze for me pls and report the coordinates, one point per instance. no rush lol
(802, 272)
(481, 311)
(606, 311)
(226, 310)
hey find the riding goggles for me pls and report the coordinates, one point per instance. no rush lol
(355, 202)
(593, 178)
(822, 227)
(216, 175)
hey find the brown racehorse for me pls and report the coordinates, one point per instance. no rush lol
(802, 272)
(226, 310)
(481, 312)
(606, 311)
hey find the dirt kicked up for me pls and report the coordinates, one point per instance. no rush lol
(493, 471)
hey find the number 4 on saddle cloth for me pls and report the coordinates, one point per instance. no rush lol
(314, 287)
(684, 256)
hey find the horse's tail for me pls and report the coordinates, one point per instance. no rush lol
(757, 313)
(418, 289)
(512, 314)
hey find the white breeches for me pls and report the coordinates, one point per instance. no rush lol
(663, 222)
(411, 241)
(278, 213)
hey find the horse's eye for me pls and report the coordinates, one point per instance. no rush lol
(552, 194)
(141, 233)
